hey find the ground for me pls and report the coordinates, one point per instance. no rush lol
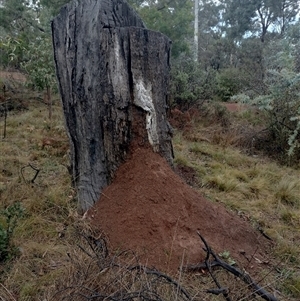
(150, 208)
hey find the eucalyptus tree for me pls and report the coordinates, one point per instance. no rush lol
(26, 41)
(17, 16)
(258, 17)
(237, 16)
(212, 45)
(18, 26)
(170, 17)
(196, 30)
(275, 15)
(266, 12)
(287, 12)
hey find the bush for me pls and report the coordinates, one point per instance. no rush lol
(8, 221)
(281, 102)
(230, 81)
(190, 84)
(12, 52)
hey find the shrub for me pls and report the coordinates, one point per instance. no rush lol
(230, 81)
(8, 222)
(191, 85)
(282, 104)
(12, 52)
(281, 101)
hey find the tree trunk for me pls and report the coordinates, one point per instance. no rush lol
(113, 77)
(48, 101)
(196, 30)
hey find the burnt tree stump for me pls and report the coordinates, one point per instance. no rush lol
(113, 78)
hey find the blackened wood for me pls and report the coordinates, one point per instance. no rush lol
(113, 78)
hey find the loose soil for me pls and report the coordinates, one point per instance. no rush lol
(149, 209)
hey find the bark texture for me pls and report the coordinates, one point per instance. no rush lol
(113, 77)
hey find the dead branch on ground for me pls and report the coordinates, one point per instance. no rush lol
(235, 271)
(34, 177)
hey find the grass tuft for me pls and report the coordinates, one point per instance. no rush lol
(288, 192)
(222, 183)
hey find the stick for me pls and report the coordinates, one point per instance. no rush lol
(243, 276)
(160, 275)
(207, 263)
(34, 177)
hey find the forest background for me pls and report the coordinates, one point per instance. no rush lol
(247, 51)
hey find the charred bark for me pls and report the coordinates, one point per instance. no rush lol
(113, 78)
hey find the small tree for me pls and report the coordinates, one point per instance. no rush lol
(191, 84)
(230, 81)
(12, 51)
(172, 18)
(282, 98)
(40, 68)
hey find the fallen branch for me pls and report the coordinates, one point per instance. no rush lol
(235, 271)
(34, 177)
(198, 267)
(208, 266)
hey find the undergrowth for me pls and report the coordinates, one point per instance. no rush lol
(8, 221)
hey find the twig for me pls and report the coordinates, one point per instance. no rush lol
(161, 275)
(198, 267)
(261, 230)
(34, 177)
(207, 263)
(243, 276)
(218, 291)
(85, 251)
(97, 245)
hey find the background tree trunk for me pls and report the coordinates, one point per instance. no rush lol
(196, 30)
(113, 77)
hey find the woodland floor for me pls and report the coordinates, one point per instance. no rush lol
(222, 192)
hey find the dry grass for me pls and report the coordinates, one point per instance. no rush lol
(255, 187)
(55, 259)
(48, 202)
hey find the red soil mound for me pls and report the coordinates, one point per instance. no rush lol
(149, 209)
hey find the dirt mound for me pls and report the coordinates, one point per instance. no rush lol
(151, 210)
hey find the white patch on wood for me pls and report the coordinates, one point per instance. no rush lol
(143, 99)
(118, 70)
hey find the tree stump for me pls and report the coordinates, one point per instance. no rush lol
(113, 78)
